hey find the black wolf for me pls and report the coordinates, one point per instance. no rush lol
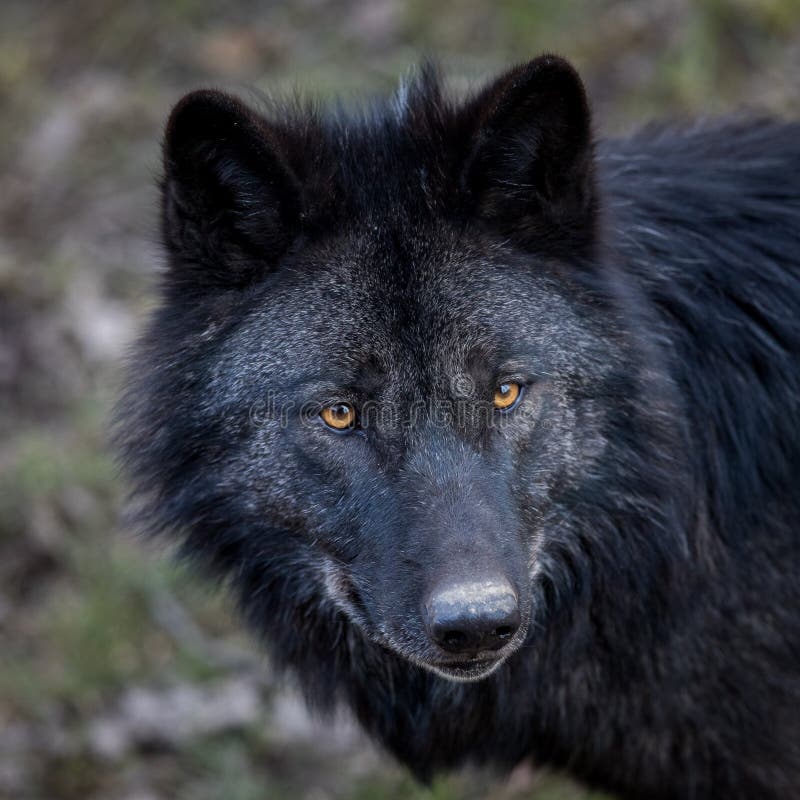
(493, 429)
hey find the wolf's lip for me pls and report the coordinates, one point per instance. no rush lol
(468, 663)
(466, 669)
(474, 669)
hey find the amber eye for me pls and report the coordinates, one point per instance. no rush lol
(506, 396)
(340, 416)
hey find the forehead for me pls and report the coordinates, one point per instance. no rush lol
(414, 303)
(410, 291)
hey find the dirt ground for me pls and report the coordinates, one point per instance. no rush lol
(121, 677)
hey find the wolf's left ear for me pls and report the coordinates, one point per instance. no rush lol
(529, 169)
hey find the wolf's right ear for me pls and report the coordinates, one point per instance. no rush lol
(230, 202)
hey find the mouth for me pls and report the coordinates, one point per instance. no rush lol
(466, 671)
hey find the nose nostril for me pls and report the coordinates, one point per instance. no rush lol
(503, 632)
(454, 639)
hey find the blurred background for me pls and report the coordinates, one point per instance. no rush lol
(120, 677)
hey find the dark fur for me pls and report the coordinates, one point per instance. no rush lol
(644, 498)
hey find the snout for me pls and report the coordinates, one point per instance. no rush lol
(470, 618)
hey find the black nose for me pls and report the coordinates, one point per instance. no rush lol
(464, 618)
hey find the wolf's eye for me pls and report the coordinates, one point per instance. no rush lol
(340, 416)
(506, 396)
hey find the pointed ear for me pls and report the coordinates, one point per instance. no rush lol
(530, 169)
(230, 203)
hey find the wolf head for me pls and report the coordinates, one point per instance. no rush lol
(390, 392)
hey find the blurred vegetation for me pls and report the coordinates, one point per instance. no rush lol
(120, 676)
